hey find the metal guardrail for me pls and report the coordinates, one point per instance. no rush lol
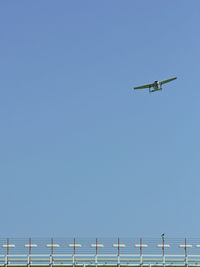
(100, 251)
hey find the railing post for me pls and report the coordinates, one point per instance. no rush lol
(7, 261)
(186, 259)
(51, 257)
(74, 260)
(141, 260)
(96, 257)
(118, 253)
(74, 246)
(29, 252)
(163, 248)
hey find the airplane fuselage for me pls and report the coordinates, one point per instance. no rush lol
(156, 86)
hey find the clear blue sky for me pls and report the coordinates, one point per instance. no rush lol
(81, 153)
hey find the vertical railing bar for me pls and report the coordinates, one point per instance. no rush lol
(96, 257)
(141, 260)
(118, 253)
(74, 260)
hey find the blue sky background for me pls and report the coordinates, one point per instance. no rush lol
(81, 153)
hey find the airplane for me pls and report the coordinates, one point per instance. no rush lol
(156, 85)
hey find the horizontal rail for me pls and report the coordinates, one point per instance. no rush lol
(100, 258)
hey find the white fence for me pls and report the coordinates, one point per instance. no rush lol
(99, 251)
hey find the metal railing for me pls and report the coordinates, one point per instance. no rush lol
(99, 251)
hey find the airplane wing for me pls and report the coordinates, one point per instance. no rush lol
(144, 86)
(169, 80)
